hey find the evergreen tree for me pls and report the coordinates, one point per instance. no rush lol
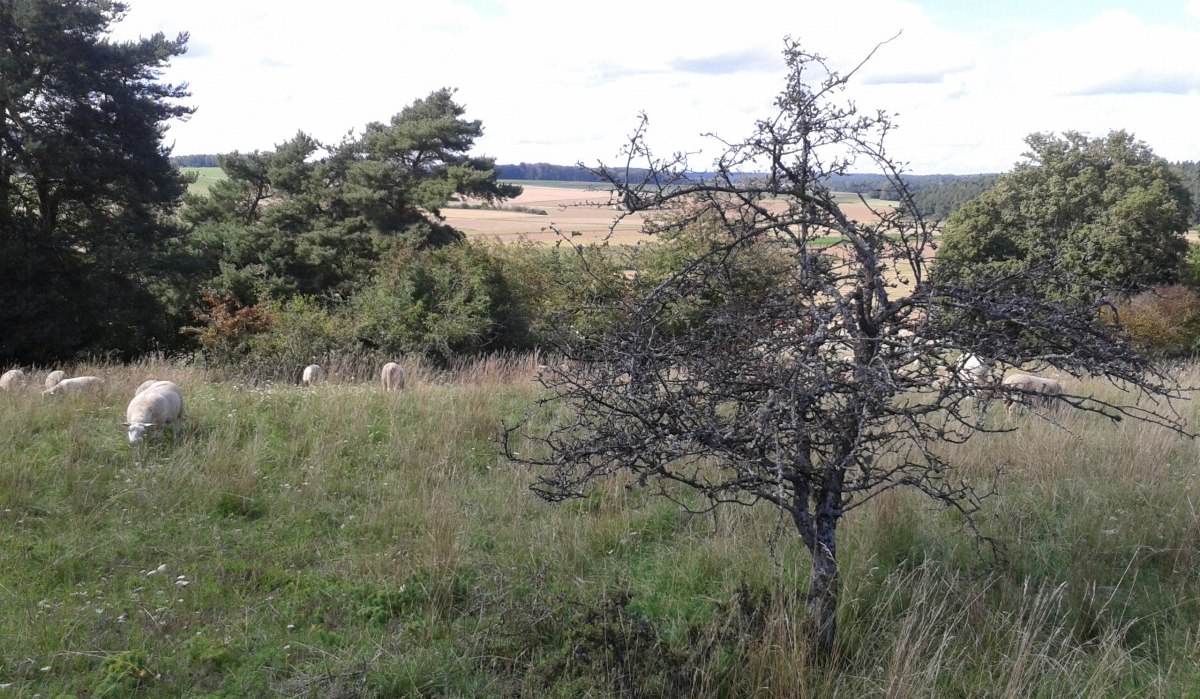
(86, 186)
(310, 219)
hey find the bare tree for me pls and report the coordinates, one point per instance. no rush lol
(813, 385)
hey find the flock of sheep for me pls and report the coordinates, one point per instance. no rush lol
(57, 383)
(155, 403)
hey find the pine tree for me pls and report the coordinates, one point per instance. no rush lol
(86, 185)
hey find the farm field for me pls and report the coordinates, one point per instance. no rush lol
(575, 209)
(338, 541)
(580, 213)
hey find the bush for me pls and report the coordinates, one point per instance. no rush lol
(560, 287)
(1189, 273)
(224, 327)
(1163, 322)
(438, 303)
(441, 303)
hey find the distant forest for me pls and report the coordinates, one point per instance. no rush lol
(194, 160)
(937, 196)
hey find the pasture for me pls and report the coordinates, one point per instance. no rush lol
(205, 177)
(338, 541)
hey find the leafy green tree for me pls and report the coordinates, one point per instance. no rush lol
(1101, 211)
(1189, 174)
(310, 219)
(87, 241)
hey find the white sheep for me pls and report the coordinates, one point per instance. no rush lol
(153, 407)
(392, 377)
(968, 371)
(79, 384)
(13, 380)
(1030, 389)
(54, 377)
(311, 375)
(145, 384)
(971, 370)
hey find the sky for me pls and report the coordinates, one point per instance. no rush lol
(564, 82)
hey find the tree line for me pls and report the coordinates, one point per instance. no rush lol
(103, 253)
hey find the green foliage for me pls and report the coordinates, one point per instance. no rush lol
(1189, 273)
(754, 266)
(311, 219)
(1189, 174)
(271, 229)
(441, 303)
(1103, 211)
(939, 196)
(437, 303)
(302, 330)
(123, 673)
(87, 236)
(560, 286)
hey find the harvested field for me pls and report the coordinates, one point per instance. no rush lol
(585, 211)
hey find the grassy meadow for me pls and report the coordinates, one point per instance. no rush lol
(340, 542)
(205, 178)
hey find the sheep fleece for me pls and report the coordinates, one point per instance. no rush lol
(158, 404)
(392, 377)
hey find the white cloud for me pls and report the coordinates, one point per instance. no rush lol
(552, 83)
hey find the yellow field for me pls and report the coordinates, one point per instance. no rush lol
(586, 211)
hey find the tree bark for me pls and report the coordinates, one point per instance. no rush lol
(823, 585)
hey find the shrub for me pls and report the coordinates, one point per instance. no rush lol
(1163, 322)
(1189, 273)
(437, 303)
(559, 287)
(224, 326)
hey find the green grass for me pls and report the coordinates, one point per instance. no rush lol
(205, 177)
(338, 541)
(852, 198)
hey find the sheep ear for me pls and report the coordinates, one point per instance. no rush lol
(125, 424)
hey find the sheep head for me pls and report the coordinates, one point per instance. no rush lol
(137, 430)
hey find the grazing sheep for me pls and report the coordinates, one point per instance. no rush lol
(54, 377)
(13, 380)
(968, 371)
(153, 407)
(971, 370)
(145, 384)
(1030, 390)
(392, 377)
(79, 384)
(311, 375)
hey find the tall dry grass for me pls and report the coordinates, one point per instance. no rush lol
(340, 541)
